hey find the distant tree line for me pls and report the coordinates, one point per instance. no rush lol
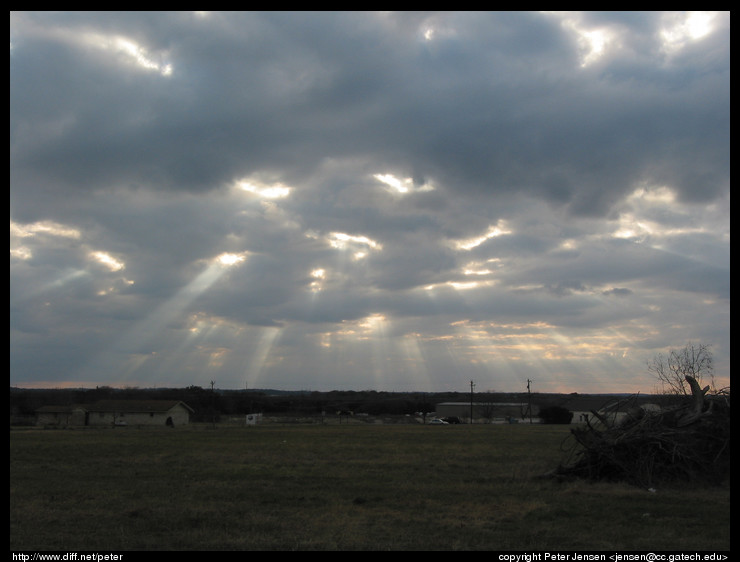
(208, 403)
(555, 414)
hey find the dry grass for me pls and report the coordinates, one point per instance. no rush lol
(335, 488)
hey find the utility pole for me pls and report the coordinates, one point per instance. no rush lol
(529, 401)
(472, 386)
(213, 405)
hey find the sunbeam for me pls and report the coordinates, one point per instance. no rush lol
(141, 343)
(256, 369)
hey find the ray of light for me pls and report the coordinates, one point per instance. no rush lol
(256, 369)
(139, 344)
(416, 362)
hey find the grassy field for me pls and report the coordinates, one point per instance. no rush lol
(340, 487)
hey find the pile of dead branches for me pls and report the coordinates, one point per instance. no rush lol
(688, 442)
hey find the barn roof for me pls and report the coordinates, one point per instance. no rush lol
(51, 408)
(131, 406)
(138, 406)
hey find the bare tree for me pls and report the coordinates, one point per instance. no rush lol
(693, 360)
(486, 411)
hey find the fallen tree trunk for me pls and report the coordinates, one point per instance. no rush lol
(686, 442)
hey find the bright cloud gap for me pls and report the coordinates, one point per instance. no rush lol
(401, 186)
(267, 191)
(499, 229)
(229, 259)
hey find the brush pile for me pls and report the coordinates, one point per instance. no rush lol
(686, 442)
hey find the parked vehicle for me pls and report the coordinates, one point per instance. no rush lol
(437, 421)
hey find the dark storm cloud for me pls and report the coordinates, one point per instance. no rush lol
(482, 110)
(606, 173)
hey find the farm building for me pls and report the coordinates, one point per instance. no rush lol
(117, 413)
(582, 406)
(61, 416)
(139, 412)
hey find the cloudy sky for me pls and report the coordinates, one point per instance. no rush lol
(387, 201)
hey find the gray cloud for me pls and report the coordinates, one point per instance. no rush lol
(540, 184)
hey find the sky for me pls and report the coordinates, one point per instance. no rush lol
(410, 201)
